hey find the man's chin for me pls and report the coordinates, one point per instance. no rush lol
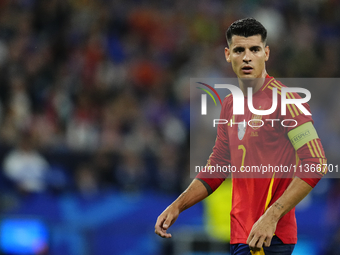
(247, 76)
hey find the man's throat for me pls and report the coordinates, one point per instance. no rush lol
(254, 83)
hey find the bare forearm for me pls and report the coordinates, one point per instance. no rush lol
(296, 191)
(192, 195)
(263, 229)
(195, 193)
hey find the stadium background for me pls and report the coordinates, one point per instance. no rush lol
(94, 113)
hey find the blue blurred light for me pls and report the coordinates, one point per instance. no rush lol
(23, 236)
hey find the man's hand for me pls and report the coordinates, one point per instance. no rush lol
(165, 220)
(264, 229)
(262, 232)
(193, 194)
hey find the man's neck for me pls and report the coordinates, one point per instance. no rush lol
(255, 83)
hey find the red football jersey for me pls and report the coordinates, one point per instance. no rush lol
(260, 143)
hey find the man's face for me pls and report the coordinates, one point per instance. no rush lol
(247, 56)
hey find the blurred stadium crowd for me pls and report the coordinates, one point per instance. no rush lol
(95, 93)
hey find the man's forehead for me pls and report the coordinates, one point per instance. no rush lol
(254, 40)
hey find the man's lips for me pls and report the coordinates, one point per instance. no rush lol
(247, 69)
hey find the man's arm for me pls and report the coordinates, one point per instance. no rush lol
(263, 230)
(204, 184)
(311, 153)
(195, 193)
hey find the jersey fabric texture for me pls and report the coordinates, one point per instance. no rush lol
(255, 145)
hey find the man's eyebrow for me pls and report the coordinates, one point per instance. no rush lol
(238, 48)
(255, 47)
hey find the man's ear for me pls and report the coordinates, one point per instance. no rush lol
(227, 54)
(267, 51)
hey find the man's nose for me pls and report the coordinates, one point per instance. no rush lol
(247, 56)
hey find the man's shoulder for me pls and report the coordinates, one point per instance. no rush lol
(292, 110)
(272, 83)
(227, 104)
(228, 100)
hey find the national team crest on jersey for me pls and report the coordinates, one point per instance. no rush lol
(241, 130)
(255, 122)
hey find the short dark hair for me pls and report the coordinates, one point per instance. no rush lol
(246, 27)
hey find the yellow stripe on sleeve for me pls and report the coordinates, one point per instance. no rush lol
(276, 85)
(290, 109)
(297, 107)
(322, 170)
(290, 96)
(278, 91)
(325, 168)
(310, 149)
(317, 144)
(315, 150)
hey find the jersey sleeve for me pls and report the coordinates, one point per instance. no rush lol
(309, 150)
(313, 162)
(219, 158)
